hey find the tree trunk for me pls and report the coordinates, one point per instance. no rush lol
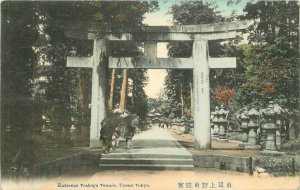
(124, 90)
(83, 90)
(83, 105)
(182, 101)
(112, 86)
(192, 99)
(67, 132)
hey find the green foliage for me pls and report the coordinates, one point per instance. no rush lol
(271, 62)
(271, 75)
(62, 82)
(274, 22)
(138, 103)
(34, 77)
(18, 36)
(174, 82)
(291, 146)
(113, 16)
(277, 166)
(197, 12)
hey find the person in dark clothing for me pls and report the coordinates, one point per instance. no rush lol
(132, 122)
(128, 135)
(108, 126)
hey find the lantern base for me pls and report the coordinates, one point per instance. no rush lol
(251, 147)
(222, 140)
(215, 136)
(242, 145)
(271, 153)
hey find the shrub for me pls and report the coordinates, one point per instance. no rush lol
(277, 166)
(292, 146)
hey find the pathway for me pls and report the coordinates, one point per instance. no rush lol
(151, 149)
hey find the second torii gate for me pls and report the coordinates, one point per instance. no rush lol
(200, 63)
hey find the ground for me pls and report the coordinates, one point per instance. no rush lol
(230, 148)
(198, 178)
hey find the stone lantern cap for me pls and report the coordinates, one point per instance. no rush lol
(253, 112)
(215, 117)
(217, 108)
(213, 113)
(222, 111)
(222, 114)
(278, 109)
(270, 126)
(244, 116)
(269, 111)
(253, 121)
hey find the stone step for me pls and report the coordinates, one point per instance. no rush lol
(146, 161)
(154, 149)
(124, 155)
(145, 167)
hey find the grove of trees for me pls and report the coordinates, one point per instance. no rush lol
(36, 86)
(267, 66)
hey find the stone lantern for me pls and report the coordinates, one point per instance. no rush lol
(244, 127)
(222, 121)
(280, 124)
(291, 132)
(215, 119)
(191, 124)
(270, 127)
(253, 125)
(212, 116)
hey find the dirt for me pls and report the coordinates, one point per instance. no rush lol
(225, 148)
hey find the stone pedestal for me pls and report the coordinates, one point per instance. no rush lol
(222, 134)
(252, 145)
(278, 139)
(244, 139)
(292, 133)
(216, 131)
(270, 141)
(253, 126)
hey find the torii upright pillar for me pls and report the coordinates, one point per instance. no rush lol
(98, 90)
(98, 62)
(201, 95)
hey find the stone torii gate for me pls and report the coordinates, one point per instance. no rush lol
(200, 62)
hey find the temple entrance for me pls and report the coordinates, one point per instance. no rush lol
(200, 62)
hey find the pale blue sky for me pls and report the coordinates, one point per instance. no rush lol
(222, 5)
(161, 17)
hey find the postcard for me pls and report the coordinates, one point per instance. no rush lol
(174, 95)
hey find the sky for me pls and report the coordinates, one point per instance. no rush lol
(161, 17)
